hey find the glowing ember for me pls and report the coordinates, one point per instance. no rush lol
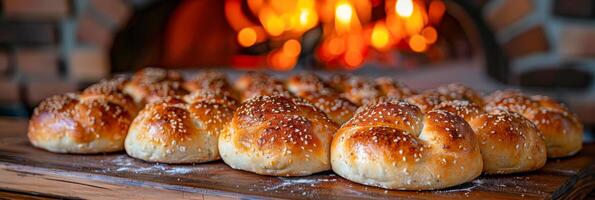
(292, 48)
(344, 12)
(353, 59)
(380, 36)
(247, 37)
(418, 43)
(404, 8)
(348, 31)
(430, 34)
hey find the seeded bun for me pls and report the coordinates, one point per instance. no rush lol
(253, 84)
(172, 130)
(313, 89)
(427, 100)
(456, 91)
(561, 129)
(277, 136)
(394, 145)
(208, 80)
(152, 84)
(356, 89)
(509, 142)
(393, 89)
(94, 122)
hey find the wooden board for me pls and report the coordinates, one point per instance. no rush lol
(27, 170)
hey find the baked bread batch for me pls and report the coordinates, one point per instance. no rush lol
(375, 132)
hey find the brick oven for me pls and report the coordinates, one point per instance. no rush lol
(55, 46)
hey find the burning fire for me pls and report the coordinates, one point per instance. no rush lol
(348, 33)
(404, 8)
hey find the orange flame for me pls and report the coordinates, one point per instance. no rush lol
(404, 8)
(380, 36)
(347, 32)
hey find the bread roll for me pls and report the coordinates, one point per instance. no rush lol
(313, 89)
(208, 80)
(278, 136)
(356, 89)
(112, 90)
(393, 89)
(509, 142)
(93, 122)
(152, 84)
(253, 84)
(561, 129)
(306, 82)
(455, 91)
(394, 145)
(176, 131)
(427, 100)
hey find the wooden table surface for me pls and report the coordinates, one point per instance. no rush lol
(27, 172)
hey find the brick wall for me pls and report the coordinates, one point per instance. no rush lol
(55, 46)
(538, 34)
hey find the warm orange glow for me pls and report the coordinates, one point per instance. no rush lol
(344, 12)
(280, 61)
(380, 36)
(336, 46)
(430, 34)
(355, 42)
(274, 25)
(283, 18)
(416, 22)
(255, 5)
(282, 6)
(353, 59)
(234, 16)
(404, 8)
(292, 48)
(396, 27)
(308, 18)
(418, 43)
(247, 37)
(436, 10)
(347, 29)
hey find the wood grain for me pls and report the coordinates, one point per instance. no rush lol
(112, 176)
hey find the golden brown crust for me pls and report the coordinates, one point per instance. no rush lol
(306, 82)
(209, 80)
(426, 100)
(461, 108)
(111, 90)
(455, 133)
(68, 124)
(509, 142)
(393, 89)
(392, 144)
(337, 108)
(313, 89)
(386, 140)
(214, 97)
(398, 114)
(248, 78)
(356, 89)
(153, 75)
(253, 84)
(152, 84)
(561, 129)
(456, 91)
(502, 134)
(172, 130)
(277, 135)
